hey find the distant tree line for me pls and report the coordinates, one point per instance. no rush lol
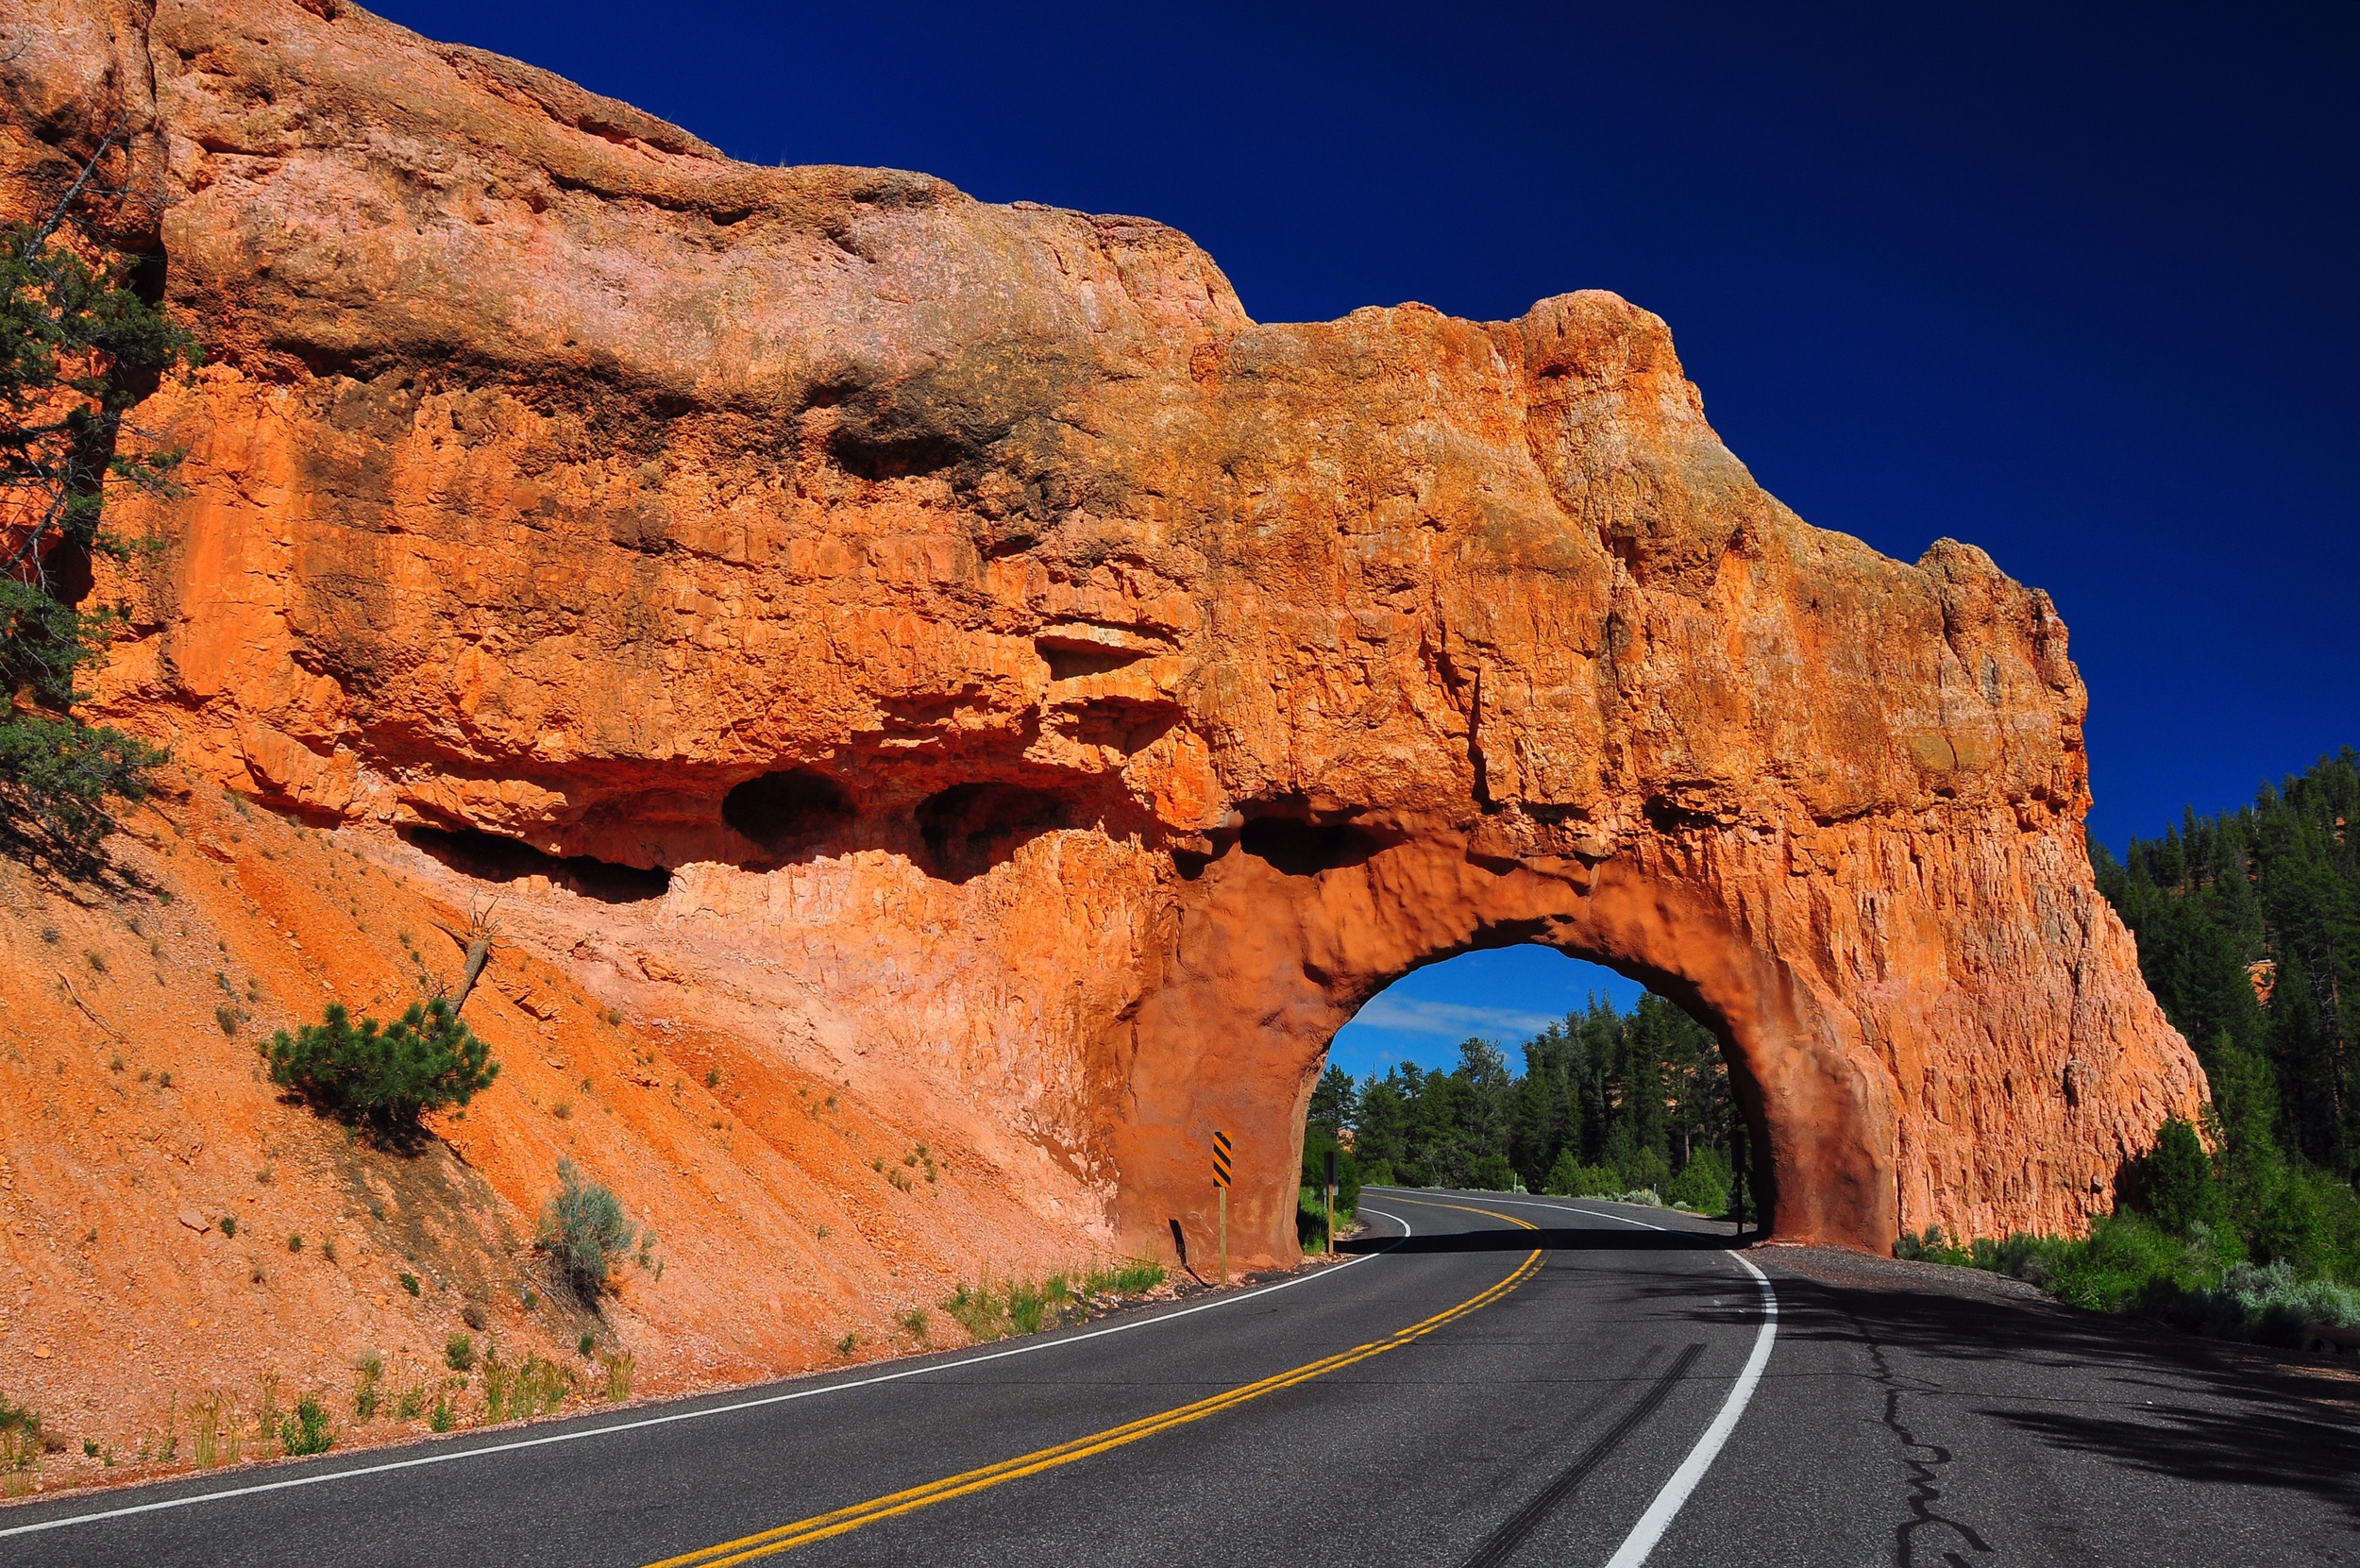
(2248, 926)
(1608, 1103)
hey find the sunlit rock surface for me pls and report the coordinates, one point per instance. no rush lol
(952, 650)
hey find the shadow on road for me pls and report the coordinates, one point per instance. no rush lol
(2123, 1390)
(1501, 1239)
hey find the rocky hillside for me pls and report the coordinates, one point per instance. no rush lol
(946, 657)
(178, 1231)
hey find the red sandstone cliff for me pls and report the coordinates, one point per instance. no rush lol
(950, 651)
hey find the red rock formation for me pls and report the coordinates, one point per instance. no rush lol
(1044, 684)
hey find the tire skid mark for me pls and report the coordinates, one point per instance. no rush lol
(1512, 1533)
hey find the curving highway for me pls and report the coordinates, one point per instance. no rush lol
(1495, 1380)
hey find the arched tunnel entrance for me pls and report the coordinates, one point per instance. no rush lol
(1520, 1068)
(1276, 953)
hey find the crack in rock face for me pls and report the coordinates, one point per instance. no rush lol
(1084, 696)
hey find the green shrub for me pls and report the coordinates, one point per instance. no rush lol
(534, 1386)
(368, 1389)
(1132, 1277)
(386, 1073)
(459, 1353)
(1379, 1173)
(1703, 1183)
(305, 1430)
(2122, 1263)
(584, 1229)
(1316, 1141)
(2172, 1182)
(1929, 1247)
(1570, 1178)
(977, 1310)
(1049, 1304)
(1648, 1171)
(2272, 1303)
(2130, 1262)
(1027, 1307)
(19, 1438)
(1311, 1202)
(1492, 1173)
(1311, 1218)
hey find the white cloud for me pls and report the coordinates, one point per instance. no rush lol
(1449, 1020)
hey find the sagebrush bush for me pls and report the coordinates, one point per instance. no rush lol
(2130, 1262)
(2273, 1304)
(584, 1229)
(386, 1073)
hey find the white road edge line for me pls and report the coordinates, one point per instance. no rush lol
(1668, 1502)
(453, 1456)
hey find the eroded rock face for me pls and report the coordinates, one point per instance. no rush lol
(1055, 682)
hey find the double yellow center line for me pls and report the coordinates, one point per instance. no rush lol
(842, 1520)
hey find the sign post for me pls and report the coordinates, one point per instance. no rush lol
(1737, 1148)
(1220, 1180)
(1331, 1202)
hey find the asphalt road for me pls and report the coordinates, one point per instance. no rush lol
(1474, 1392)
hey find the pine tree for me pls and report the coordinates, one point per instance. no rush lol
(1604, 1100)
(1333, 1101)
(79, 346)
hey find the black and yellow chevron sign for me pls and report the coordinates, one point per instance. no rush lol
(1220, 1159)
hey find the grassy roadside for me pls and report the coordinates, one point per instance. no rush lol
(2130, 1264)
(990, 1312)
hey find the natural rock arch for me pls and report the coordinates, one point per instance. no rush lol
(1278, 968)
(1058, 686)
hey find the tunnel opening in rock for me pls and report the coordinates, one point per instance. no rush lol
(785, 811)
(1523, 1067)
(969, 828)
(488, 857)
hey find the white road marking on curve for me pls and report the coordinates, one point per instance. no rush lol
(1668, 1502)
(488, 1449)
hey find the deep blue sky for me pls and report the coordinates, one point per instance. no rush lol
(2079, 284)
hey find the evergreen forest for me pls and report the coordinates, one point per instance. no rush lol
(1608, 1103)
(2249, 933)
